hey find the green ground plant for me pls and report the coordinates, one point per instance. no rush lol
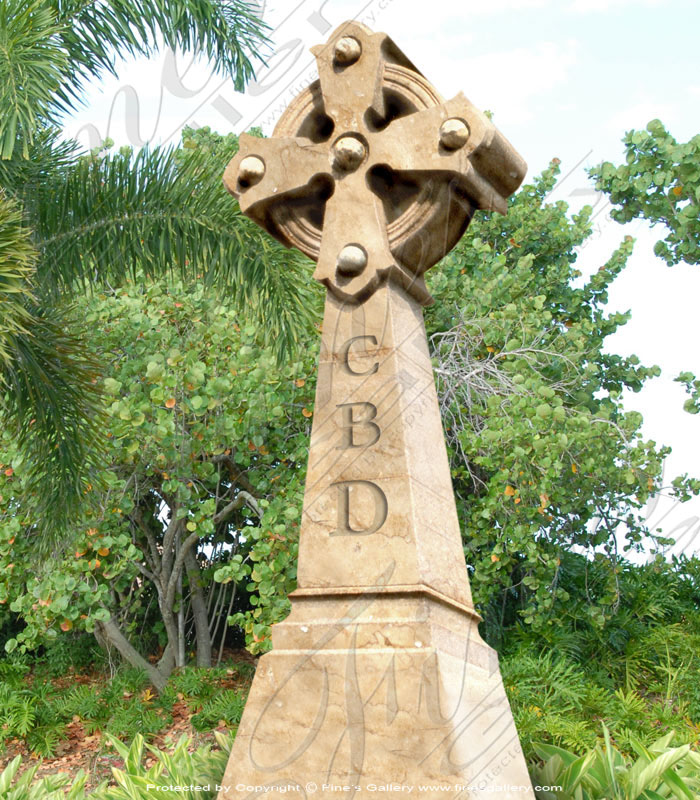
(637, 673)
(36, 710)
(52, 787)
(203, 768)
(599, 773)
(603, 773)
(181, 766)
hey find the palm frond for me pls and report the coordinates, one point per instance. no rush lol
(33, 65)
(96, 34)
(17, 259)
(21, 177)
(49, 49)
(47, 395)
(118, 216)
(49, 399)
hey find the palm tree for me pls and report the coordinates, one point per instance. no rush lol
(70, 221)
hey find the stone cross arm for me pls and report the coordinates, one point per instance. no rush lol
(370, 172)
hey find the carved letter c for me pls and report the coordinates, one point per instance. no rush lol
(345, 356)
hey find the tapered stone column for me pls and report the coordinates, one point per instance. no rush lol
(378, 680)
(378, 503)
(379, 675)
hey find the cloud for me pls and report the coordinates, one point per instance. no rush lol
(499, 6)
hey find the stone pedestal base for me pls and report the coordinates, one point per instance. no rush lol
(388, 692)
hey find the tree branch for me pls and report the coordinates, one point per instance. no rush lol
(243, 498)
(112, 633)
(177, 567)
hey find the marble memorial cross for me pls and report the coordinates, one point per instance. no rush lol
(378, 678)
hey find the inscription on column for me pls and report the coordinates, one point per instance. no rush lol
(358, 430)
(381, 507)
(345, 356)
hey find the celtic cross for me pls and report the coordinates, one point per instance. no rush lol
(369, 172)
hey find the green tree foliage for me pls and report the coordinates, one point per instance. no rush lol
(115, 215)
(17, 259)
(51, 48)
(659, 182)
(545, 458)
(205, 433)
(33, 65)
(89, 219)
(692, 387)
(47, 398)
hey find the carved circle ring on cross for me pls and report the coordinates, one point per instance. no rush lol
(369, 172)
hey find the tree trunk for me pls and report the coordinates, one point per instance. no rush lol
(170, 622)
(180, 618)
(199, 610)
(166, 664)
(109, 630)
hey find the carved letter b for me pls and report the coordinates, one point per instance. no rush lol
(372, 434)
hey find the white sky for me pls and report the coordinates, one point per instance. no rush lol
(564, 78)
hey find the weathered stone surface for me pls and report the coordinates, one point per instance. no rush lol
(379, 674)
(387, 689)
(378, 455)
(378, 679)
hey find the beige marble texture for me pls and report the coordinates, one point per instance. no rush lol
(374, 363)
(379, 675)
(378, 681)
(374, 689)
(367, 157)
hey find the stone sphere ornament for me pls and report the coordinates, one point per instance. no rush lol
(251, 171)
(347, 51)
(454, 134)
(352, 259)
(348, 153)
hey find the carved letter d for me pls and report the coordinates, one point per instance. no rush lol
(381, 508)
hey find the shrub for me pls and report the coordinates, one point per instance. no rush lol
(39, 712)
